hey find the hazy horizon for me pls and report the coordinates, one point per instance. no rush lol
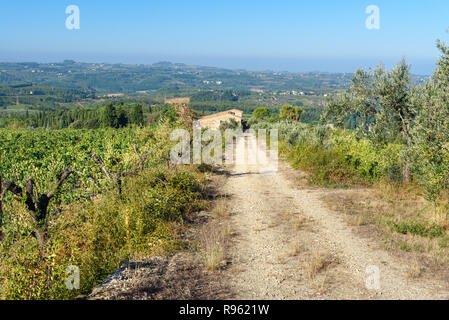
(244, 63)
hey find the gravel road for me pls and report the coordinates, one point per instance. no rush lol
(288, 245)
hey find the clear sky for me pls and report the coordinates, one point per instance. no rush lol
(282, 35)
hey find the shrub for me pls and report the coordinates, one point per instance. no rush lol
(327, 167)
(335, 156)
(98, 235)
(422, 229)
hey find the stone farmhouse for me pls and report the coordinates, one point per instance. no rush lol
(213, 121)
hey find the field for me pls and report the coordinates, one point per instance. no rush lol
(90, 199)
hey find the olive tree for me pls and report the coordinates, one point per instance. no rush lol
(430, 132)
(380, 101)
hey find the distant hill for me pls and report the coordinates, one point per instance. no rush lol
(121, 78)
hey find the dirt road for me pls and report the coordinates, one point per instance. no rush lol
(284, 244)
(288, 245)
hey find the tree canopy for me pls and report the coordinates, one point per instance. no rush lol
(261, 113)
(290, 112)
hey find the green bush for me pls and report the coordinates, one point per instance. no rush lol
(422, 229)
(98, 235)
(326, 167)
(336, 156)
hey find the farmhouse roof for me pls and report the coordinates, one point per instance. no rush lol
(232, 111)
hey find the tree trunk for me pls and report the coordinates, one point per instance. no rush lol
(406, 172)
(406, 168)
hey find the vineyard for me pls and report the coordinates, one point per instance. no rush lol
(86, 198)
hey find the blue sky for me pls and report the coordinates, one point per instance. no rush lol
(283, 35)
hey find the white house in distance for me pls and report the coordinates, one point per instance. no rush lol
(213, 121)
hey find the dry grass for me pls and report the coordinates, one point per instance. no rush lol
(285, 215)
(395, 211)
(295, 250)
(213, 245)
(221, 208)
(414, 269)
(320, 285)
(226, 230)
(274, 224)
(398, 192)
(315, 264)
(357, 220)
(440, 214)
(299, 223)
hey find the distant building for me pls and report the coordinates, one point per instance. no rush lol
(115, 95)
(213, 121)
(185, 100)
